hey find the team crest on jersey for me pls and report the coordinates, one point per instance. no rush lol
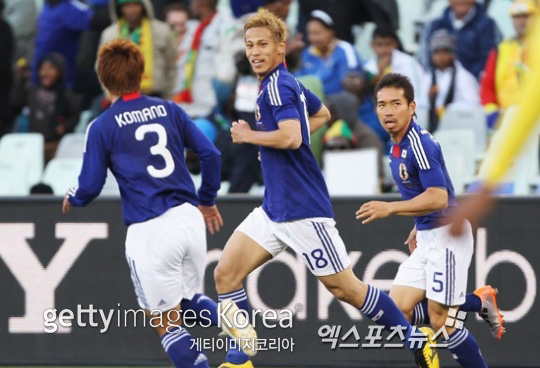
(404, 154)
(403, 174)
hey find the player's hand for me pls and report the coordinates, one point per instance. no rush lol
(66, 205)
(474, 208)
(212, 218)
(373, 210)
(411, 240)
(239, 131)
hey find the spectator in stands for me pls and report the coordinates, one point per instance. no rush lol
(207, 71)
(59, 29)
(177, 16)
(6, 72)
(22, 17)
(327, 57)
(390, 58)
(447, 81)
(134, 20)
(346, 131)
(505, 69)
(355, 82)
(476, 34)
(86, 80)
(53, 107)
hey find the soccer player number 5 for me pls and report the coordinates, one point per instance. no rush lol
(158, 149)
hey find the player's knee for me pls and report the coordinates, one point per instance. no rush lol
(225, 277)
(341, 293)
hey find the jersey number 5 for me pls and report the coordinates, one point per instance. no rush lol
(159, 149)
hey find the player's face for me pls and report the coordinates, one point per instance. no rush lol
(262, 50)
(394, 112)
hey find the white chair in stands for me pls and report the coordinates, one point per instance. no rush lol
(458, 147)
(62, 174)
(461, 116)
(71, 146)
(25, 149)
(351, 172)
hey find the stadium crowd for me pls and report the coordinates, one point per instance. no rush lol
(194, 56)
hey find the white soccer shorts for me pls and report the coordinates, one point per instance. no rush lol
(315, 239)
(439, 265)
(167, 257)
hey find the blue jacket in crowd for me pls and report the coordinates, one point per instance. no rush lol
(473, 41)
(59, 28)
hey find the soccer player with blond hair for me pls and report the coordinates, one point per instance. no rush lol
(296, 210)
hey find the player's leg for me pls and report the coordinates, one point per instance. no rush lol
(200, 305)
(482, 301)
(252, 244)
(406, 299)
(323, 250)
(156, 251)
(449, 259)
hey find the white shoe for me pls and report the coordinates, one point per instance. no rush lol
(247, 336)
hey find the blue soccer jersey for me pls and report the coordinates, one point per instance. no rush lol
(295, 188)
(142, 141)
(417, 163)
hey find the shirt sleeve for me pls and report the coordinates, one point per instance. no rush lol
(282, 101)
(313, 102)
(207, 153)
(94, 169)
(428, 160)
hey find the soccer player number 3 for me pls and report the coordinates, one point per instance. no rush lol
(318, 258)
(158, 149)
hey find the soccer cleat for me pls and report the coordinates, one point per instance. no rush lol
(490, 311)
(247, 364)
(247, 335)
(427, 357)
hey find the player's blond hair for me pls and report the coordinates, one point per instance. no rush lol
(263, 18)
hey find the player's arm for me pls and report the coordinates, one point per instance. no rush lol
(210, 159)
(284, 110)
(431, 200)
(287, 136)
(427, 158)
(93, 172)
(318, 120)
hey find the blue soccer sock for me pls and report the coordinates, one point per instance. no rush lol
(465, 350)
(236, 355)
(381, 309)
(420, 314)
(472, 303)
(178, 345)
(204, 307)
(239, 297)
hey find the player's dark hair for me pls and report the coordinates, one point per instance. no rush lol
(399, 81)
(120, 67)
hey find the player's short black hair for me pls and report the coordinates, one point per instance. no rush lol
(399, 81)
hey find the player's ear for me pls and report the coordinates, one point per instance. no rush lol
(281, 48)
(412, 107)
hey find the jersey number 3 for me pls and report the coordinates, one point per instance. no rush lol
(159, 149)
